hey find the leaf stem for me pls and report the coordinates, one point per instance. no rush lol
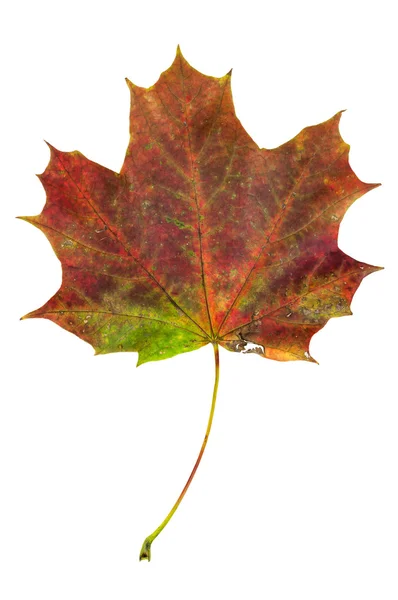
(145, 553)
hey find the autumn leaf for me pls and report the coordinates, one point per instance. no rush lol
(202, 237)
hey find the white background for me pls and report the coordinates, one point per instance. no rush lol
(297, 495)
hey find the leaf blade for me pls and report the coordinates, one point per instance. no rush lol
(202, 236)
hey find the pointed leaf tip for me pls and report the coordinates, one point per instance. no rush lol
(371, 186)
(140, 361)
(337, 117)
(179, 55)
(132, 86)
(52, 148)
(310, 358)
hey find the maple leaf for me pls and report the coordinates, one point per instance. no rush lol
(202, 237)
